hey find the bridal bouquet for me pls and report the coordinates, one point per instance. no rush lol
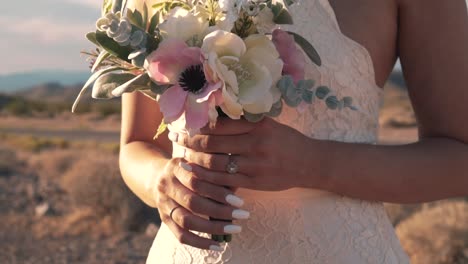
(202, 58)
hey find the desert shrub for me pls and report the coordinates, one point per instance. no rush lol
(95, 181)
(105, 109)
(8, 162)
(37, 144)
(53, 164)
(18, 108)
(438, 234)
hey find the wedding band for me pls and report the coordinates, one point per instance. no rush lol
(232, 167)
(172, 211)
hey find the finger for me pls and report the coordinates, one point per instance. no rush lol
(186, 237)
(219, 162)
(237, 180)
(203, 206)
(215, 192)
(227, 126)
(239, 144)
(188, 221)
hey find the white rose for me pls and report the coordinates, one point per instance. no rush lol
(248, 68)
(182, 24)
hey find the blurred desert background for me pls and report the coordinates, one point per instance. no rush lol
(62, 199)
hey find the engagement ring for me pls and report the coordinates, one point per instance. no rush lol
(232, 167)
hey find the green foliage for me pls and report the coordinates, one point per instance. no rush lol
(136, 18)
(322, 92)
(293, 94)
(112, 46)
(281, 16)
(161, 129)
(308, 48)
(105, 84)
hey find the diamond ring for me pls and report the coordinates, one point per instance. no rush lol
(232, 167)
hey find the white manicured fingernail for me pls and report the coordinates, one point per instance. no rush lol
(185, 166)
(173, 136)
(234, 200)
(240, 214)
(216, 248)
(232, 229)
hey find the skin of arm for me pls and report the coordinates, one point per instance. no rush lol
(432, 42)
(140, 155)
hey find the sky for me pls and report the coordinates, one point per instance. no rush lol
(46, 35)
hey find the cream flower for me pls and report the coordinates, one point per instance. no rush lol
(182, 24)
(248, 68)
(139, 4)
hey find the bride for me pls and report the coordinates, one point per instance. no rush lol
(308, 186)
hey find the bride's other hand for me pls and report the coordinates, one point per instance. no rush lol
(180, 198)
(269, 155)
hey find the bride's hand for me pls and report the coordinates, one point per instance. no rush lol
(270, 156)
(181, 198)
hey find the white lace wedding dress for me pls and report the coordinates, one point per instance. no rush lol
(303, 225)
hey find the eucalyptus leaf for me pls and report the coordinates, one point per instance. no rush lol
(131, 85)
(276, 109)
(305, 84)
(308, 96)
(106, 83)
(308, 48)
(322, 92)
(285, 83)
(90, 81)
(91, 36)
(293, 101)
(161, 129)
(112, 46)
(102, 56)
(332, 102)
(253, 118)
(348, 101)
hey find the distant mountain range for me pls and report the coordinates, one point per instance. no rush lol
(65, 86)
(11, 83)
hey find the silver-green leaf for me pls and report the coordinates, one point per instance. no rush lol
(105, 84)
(131, 85)
(90, 81)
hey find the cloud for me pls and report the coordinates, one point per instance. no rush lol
(88, 3)
(43, 30)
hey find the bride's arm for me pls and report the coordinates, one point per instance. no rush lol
(140, 155)
(433, 47)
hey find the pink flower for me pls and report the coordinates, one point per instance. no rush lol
(292, 57)
(191, 98)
